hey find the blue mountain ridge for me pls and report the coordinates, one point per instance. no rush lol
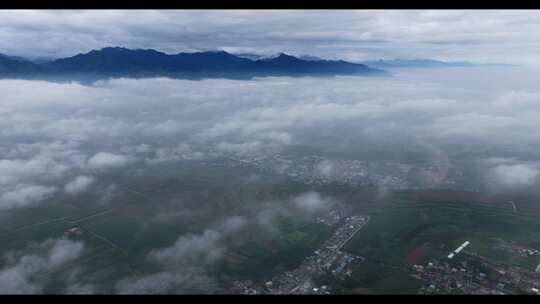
(137, 63)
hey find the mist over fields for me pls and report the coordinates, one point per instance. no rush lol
(57, 141)
(55, 134)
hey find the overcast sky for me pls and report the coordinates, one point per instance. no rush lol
(484, 36)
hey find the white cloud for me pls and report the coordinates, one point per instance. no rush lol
(41, 165)
(205, 247)
(24, 195)
(324, 168)
(312, 202)
(50, 132)
(25, 272)
(63, 251)
(516, 175)
(14, 280)
(184, 262)
(106, 160)
(79, 184)
(356, 34)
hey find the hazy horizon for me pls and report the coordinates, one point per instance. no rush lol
(355, 35)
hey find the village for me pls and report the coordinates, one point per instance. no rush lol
(327, 259)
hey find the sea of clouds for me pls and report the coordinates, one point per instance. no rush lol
(57, 136)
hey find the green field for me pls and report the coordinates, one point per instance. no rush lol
(260, 258)
(399, 237)
(404, 229)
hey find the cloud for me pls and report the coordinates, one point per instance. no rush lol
(515, 175)
(64, 250)
(40, 165)
(185, 262)
(14, 280)
(312, 202)
(83, 289)
(24, 195)
(353, 35)
(233, 224)
(204, 248)
(52, 132)
(25, 272)
(201, 249)
(325, 168)
(79, 184)
(106, 160)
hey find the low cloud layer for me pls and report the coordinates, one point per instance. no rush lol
(518, 175)
(204, 247)
(24, 195)
(51, 133)
(106, 160)
(79, 184)
(26, 272)
(185, 262)
(312, 202)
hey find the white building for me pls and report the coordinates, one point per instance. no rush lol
(458, 250)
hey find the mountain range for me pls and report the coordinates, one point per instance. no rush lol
(112, 62)
(257, 57)
(423, 63)
(394, 63)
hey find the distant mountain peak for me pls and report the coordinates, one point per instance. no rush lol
(221, 52)
(283, 58)
(113, 49)
(286, 56)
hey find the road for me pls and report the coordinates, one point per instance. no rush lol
(90, 216)
(353, 234)
(307, 277)
(59, 219)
